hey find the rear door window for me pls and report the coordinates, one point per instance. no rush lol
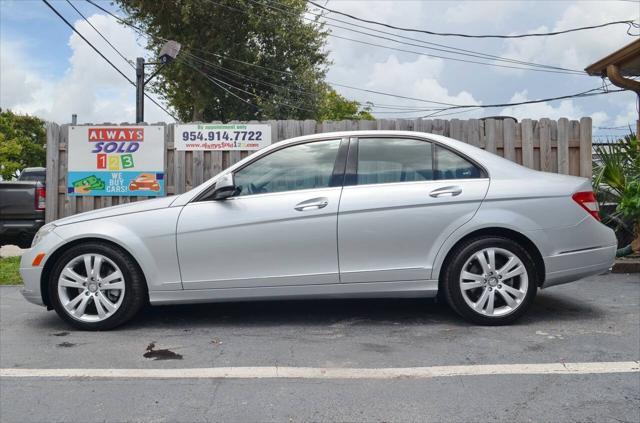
(389, 160)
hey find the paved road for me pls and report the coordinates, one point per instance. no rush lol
(596, 320)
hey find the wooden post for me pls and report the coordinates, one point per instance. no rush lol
(585, 147)
(563, 146)
(51, 200)
(527, 143)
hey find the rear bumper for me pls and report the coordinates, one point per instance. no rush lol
(574, 265)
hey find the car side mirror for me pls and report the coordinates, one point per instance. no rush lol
(225, 187)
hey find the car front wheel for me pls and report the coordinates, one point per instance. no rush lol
(95, 286)
(490, 281)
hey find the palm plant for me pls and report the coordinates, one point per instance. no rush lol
(616, 180)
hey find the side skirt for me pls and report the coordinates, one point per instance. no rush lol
(403, 289)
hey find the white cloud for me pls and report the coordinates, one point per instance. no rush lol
(628, 117)
(472, 12)
(90, 87)
(599, 118)
(418, 79)
(565, 108)
(17, 85)
(577, 50)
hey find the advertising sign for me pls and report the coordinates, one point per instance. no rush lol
(221, 137)
(116, 160)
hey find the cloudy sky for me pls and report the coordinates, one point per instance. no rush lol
(48, 71)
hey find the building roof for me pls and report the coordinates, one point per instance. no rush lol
(627, 59)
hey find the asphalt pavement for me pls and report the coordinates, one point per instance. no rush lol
(596, 320)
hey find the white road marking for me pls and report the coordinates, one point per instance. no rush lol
(274, 372)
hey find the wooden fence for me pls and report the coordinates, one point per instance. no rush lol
(562, 146)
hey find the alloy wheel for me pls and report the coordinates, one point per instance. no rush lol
(494, 282)
(91, 288)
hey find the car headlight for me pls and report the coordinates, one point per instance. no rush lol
(42, 232)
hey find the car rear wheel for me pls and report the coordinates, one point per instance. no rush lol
(95, 286)
(490, 281)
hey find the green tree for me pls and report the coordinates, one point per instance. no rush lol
(263, 33)
(336, 107)
(22, 142)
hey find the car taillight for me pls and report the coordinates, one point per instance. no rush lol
(587, 200)
(41, 194)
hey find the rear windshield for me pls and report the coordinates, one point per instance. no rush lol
(32, 176)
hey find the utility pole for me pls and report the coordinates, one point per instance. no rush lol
(168, 53)
(140, 89)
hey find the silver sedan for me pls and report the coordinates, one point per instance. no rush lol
(345, 214)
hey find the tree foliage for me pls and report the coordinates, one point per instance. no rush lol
(336, 107)
(22, 142)
(251, 31)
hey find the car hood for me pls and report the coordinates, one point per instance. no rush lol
(137, 207)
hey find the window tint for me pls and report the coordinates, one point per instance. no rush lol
(33, 176)
(449, 165)
(302, 166)
(384, 160)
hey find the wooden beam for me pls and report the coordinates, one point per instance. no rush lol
(615, 76)
(626, 56)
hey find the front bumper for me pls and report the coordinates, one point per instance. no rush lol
(31, 275)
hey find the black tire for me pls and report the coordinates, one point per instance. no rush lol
(135, 295)
(450, 280)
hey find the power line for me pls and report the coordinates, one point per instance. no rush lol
(571, 72)
(108, 12)
(226, 90)
(450, 34)
(615, 128)
(103, 56)
(87, 41)
(265, 67)
(445, 48)
(405, 109)
(551, 68)
(216, 80)
(591, 92)
(453, 58)
(102, 36)
(588, 93)
(451, 106)
(243, 76)
(204, 61)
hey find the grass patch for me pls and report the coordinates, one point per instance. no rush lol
(9, 274)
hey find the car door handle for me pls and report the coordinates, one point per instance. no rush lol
(451, 191)
(312, 204)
